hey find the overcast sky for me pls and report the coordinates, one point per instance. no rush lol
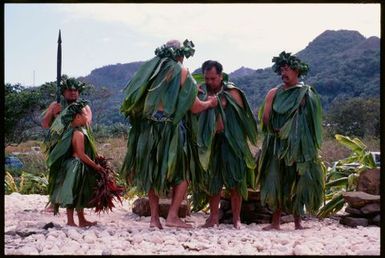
(95, 35)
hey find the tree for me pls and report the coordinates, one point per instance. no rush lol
(354, 117)
(21, 113)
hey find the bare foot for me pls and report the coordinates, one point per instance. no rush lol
(72, 224)
(237, 224)
(155, 224)
(87, 223)
(271, 227)
(300, 227)
(178, 223)
(210, 222)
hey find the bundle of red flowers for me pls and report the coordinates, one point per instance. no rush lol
(107, 189)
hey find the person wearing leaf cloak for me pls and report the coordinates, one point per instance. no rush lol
(161, 152)
(70, 89)
(224, 134)
(73, 173)
(290, 171)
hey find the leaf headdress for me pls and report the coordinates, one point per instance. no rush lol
(70, 112)
(71, 83)
(292, 61)
(186, 50)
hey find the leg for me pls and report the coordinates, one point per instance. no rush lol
(236, 202)
(70, 217)
(82, 220)
(213, 219)
(173, 219)
(154, 207)
(276, 220)
(297, 222)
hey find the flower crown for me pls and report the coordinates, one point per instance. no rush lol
(186, 50)
(292, 61)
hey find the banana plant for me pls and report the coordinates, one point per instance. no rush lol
(343, 175)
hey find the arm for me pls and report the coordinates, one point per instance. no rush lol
(268, 105)
(88, 114)
(78, 148)
(237, 97)
(199, 105)
(53, 110)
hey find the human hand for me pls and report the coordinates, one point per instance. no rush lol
(99, 168)
(55, 109)
(213, 101)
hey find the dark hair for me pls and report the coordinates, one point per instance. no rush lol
(207, 65)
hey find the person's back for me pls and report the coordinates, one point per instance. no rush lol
(158, 99)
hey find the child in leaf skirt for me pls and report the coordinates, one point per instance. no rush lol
(73, 173)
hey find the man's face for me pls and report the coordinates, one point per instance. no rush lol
(212, 79)
(288, 75)
(71, 95)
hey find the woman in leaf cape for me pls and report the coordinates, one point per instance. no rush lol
(161, 151)
(223, 137)
(290, 172)
(72, 172)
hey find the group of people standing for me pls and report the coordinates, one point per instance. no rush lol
(185, 135)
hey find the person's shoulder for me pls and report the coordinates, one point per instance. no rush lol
(273, 90)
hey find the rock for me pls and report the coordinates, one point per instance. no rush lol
(371, 208)
(287, 219)
(354, 212)
(359, 199)
(376, 220)
(225, 204)
(354, 222)
(369, 181)
(107, 252)
(27, 250)
(141, 207)
(302, 250)
(74, 234)
(164, 206)
(48, 225)
(254, 196)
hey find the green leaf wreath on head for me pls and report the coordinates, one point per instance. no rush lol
(186, 50)
(71, 83)
(70, 112)
(292, 61)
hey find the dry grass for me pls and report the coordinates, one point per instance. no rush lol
(332, 150)
(115, 148)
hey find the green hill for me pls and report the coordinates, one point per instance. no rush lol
(342, 63)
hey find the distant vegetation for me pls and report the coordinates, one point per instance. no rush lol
(344, 69)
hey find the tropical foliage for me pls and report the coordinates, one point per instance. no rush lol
(343, 175)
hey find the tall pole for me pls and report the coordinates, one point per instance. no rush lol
(58, 70)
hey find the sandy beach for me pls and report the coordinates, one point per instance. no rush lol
(29, 230)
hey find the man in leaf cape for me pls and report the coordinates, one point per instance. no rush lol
(70, 89)
(161, 152)
(224, 133)
(289, 171)
(73, 174)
